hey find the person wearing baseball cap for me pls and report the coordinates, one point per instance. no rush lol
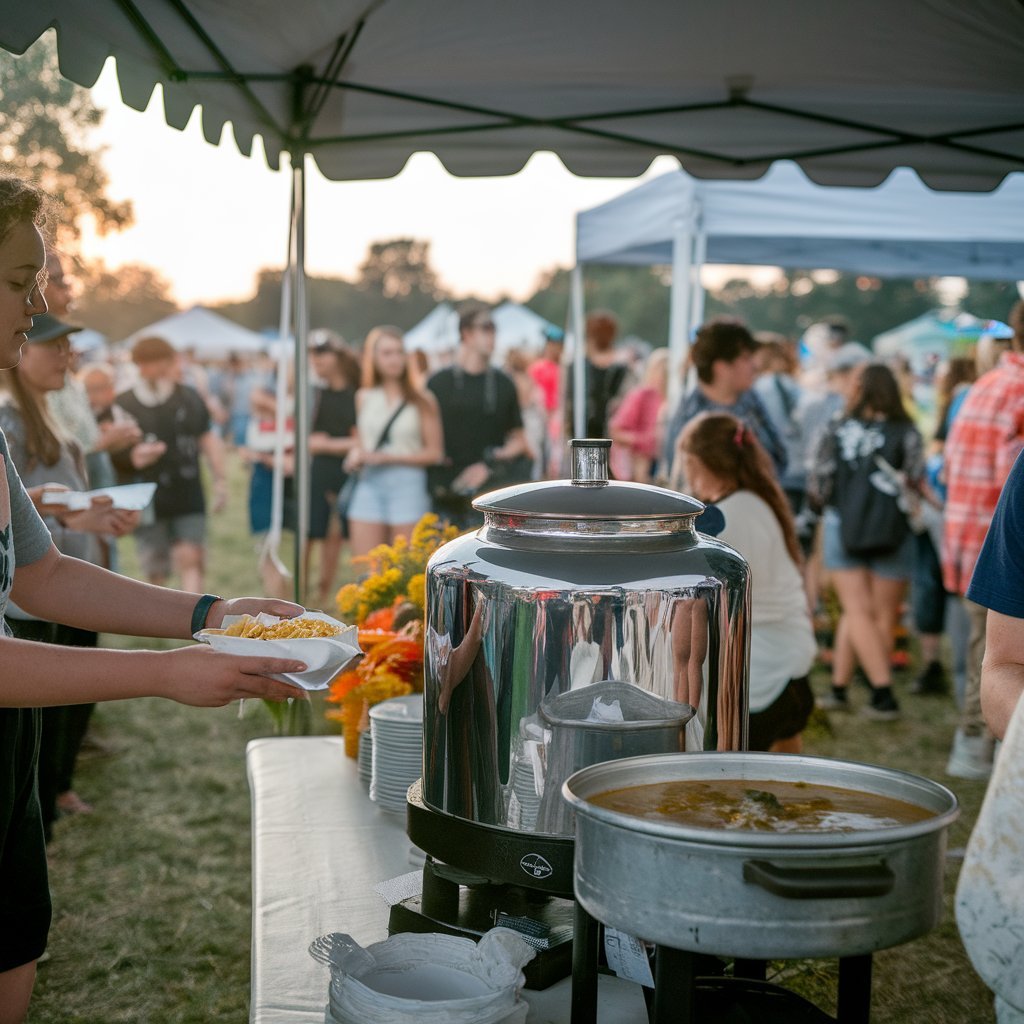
(47, 327)
(45, 455)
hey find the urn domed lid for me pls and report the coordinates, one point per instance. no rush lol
(589, 494)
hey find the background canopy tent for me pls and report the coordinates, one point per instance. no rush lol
(901, 228)
(936, 335)
(208, 334)
(849, 90)
(436, 333)
(517, 327)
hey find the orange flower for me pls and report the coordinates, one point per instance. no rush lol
(371, 638)
(381, 619)
(342, 685)
(393, 664)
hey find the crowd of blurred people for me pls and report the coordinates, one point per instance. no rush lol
(828, 468)
(860, 509)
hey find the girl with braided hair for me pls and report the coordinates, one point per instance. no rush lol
(727, 466)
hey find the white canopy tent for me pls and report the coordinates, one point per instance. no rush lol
(517, 327)
(899, 229)
(436, 333)
(849, 90)
(209, 335)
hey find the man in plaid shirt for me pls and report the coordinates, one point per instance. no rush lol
(984, 441)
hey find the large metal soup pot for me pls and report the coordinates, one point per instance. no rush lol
(753, 894)
(586, 620)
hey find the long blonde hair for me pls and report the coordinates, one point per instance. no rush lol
(42, 438)
(412, 390)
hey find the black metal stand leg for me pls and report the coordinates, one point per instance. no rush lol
(854, 1002)
(755, 970)
(585, 941)
(440, 894)
(674, 986)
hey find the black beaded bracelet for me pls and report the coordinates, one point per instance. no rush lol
(201, 610)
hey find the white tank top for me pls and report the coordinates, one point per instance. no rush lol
(406, 434)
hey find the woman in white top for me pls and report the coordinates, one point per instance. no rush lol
(399, 434)
(726, 465)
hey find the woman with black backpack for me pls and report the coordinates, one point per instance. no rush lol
(866, 473)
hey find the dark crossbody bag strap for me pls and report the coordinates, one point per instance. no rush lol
(383, 439)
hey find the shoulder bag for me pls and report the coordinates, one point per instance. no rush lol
(349, 486)
(873, 522)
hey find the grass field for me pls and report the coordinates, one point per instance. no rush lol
(152, 891)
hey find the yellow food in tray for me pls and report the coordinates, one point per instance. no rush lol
(287, 629)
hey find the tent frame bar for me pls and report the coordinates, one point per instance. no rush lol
(178, 74)
(577, 125)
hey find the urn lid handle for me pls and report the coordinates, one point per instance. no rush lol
(590, 461)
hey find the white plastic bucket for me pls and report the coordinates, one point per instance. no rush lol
(428, 979)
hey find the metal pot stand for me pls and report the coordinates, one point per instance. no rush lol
(690, 988)
(476, 876)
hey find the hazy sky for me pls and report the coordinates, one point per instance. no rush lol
(209, 218)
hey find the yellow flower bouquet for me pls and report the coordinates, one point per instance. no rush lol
(388, 607)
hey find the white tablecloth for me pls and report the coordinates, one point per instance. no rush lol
(318, 848)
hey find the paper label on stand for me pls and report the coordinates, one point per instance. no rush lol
(627, 957)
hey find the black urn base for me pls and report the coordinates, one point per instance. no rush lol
(532, 860)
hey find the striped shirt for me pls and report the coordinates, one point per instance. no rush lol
(984, 441)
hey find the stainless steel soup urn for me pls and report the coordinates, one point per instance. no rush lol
(572, 590)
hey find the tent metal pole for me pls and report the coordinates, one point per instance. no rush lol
(679, 308)
(579, 355)
(272, 543)
(700, 251)
(301, 378)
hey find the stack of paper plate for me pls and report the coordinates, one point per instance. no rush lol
(365, 757)
(396, 727)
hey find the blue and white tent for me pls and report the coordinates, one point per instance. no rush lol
(901, 228)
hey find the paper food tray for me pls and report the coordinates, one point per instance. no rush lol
(325, 656)
(131, 497)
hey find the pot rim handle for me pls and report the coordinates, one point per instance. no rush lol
(820, 882)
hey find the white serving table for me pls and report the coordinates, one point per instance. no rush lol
(319, 845)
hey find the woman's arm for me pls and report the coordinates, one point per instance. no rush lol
(624, 425)
(913, 458)
(822, 470)
(355, 458)
(57, 588)
(212, 447)
(322, 443)
(44, 675)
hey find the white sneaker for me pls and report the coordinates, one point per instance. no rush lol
(971, 756)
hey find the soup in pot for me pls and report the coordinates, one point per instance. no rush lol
(761, 805)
